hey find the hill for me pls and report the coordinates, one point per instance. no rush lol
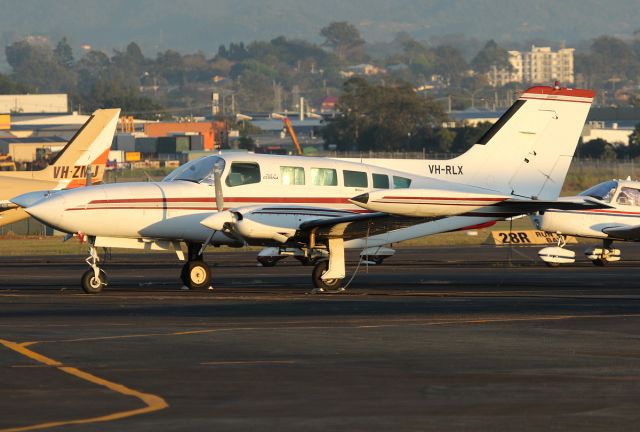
(191, 25)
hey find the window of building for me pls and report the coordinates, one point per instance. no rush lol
(401, 182)
(243, 173)
(290, 175)
(380, 181)
(324, 177)
(355, 179)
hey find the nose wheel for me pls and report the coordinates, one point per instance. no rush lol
(92, 284)
(94, 279)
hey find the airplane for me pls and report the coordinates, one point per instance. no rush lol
(619, 221)
(234, 199)
(89, 147)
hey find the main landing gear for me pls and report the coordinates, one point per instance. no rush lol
(604, 255)
(328, 274)
(94, 279)
(556, 255)
(195, 273)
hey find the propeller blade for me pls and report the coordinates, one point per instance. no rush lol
(217, 178)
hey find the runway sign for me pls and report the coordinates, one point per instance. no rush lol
(525, 238)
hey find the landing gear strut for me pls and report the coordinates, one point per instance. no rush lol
(327, 275)
(94, 279)
(195, 273)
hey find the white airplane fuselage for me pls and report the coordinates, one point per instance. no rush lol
(174, 209)
(623, 197)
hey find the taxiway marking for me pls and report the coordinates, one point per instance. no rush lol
(152, 402)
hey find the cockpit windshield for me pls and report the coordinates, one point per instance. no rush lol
(197, 171)
(603, 191)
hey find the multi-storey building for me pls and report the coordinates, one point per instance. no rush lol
(541, 65)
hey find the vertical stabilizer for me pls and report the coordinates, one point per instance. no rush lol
(527, 152)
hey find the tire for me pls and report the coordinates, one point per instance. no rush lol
(90, 284)
(600, 262)
(552, 264)
(329, 284)
(374, 259)
(268, 261)
(306, 261)
(196, 275)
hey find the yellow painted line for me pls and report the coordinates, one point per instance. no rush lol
(152, 402)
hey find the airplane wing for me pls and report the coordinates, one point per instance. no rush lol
(356, 226)
(629, 233)
(439, 203)
(520, 206)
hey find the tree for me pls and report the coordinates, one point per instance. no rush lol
(634, 138)
(382, 117)
(450, 64)
(63, 53)
(489, 56)
(343, 38)
(36, 67)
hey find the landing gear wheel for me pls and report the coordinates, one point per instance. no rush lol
(306, 261)
(91, 284)
(324, 284)
(600, 262)
(552, 264)
(196, 275)
(374, 259)
(268, 261)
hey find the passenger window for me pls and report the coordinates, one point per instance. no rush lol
(380, 181)
(401, 182)
(355, 179)
(243, 173)
(292, 175)
(629, 196)
(324, 177)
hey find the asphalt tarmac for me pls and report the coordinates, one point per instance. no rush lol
(476, 338)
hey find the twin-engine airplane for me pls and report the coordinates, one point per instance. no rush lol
(233, 199)
(620, 220)
(89, 147)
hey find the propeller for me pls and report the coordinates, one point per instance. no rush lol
(217, 183)
(224, 220)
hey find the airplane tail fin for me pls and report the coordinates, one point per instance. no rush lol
(527, 152)
(88, 147)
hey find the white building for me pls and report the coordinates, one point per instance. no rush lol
(541, 65)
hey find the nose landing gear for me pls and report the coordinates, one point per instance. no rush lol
(94, 279)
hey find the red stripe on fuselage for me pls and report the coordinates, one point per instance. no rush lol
(259, 200)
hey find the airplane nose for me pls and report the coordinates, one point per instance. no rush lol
(46, 207)
(30, 198)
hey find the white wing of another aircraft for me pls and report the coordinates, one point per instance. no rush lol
(309, 204)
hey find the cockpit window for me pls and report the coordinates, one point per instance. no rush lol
(629, 196)
(243, 173)
(197, 171)
(603, 191)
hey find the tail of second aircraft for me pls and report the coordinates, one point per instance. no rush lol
(89, 147)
